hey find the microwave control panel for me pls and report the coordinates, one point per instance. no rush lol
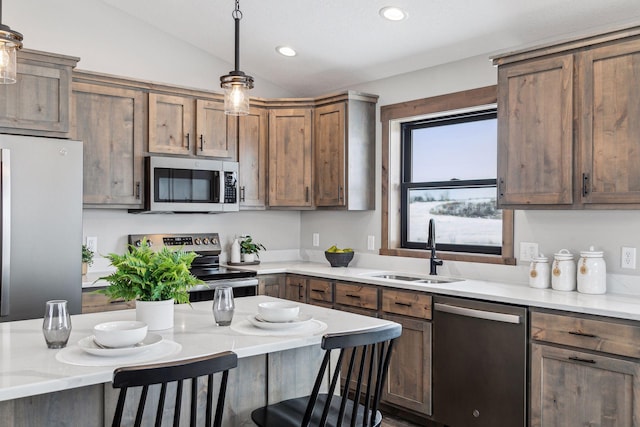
(230, 187)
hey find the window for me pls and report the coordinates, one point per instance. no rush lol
(430, 178)
(449, 165)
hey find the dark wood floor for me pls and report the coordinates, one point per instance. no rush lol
(395, 421)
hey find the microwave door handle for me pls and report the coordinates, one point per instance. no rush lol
(5, 230)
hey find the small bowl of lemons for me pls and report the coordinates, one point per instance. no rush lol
(339, 257)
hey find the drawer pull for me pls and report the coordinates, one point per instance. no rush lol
(322, 291)
(578, 359)
(404, 304)
(582, 334)
(353, 296)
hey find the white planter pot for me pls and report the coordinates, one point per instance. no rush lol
(249, 257)
(158, 315)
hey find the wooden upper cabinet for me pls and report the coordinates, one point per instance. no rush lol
(171, 129)
(344, 152)
(290, 158)
(39, 102)
(110, 121)
(568, 134)
(329, 147)
(215, 131)
(610, 123)
(535, 132)
(252, 156)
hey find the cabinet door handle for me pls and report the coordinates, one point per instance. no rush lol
(585, 184)
(322, 291)
(339, 192)
(188, 142)
(579, 359)
(353, 296)
(201, 142)
(306, 194)
(501, 188)
(138, 190)
(582, 334)
(403, 304)
(242, 193)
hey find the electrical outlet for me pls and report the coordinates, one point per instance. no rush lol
(92, 244)
(371, 243)
(628, 258)
(316, 239)
(528, 251)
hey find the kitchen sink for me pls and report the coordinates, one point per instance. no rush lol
(412, 279)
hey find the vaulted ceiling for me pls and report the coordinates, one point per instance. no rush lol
(341, 43)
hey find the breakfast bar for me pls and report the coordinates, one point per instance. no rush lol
(41, 386)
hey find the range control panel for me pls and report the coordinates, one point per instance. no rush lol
(198, 242)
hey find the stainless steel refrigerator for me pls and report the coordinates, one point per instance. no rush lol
(41, 225)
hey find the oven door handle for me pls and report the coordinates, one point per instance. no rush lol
(478, 314)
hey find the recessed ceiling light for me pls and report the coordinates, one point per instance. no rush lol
(286, 51)
(393, 13)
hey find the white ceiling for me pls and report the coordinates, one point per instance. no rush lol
(341, 43)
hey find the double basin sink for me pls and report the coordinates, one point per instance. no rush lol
(411, 279)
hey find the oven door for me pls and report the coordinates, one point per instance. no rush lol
(242, 287)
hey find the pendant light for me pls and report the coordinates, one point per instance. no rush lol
(10, 43)
(236, 83)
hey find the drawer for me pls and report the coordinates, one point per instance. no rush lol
(320, 290)
(413, 304)
(357, 296)
(609, 336)
(93, 303)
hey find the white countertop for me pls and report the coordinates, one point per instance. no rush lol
(28, 367)
(613, 305)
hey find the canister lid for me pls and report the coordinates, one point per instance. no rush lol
(591, 253)
(541, 258)
(563, 255)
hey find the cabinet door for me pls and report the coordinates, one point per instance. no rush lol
(290, 152)
(38, 103)
(535, 132)
(320, 292)
(215, 130)
(271, 285)
(110, 121)
(610, 129)
(252, 156)
(570, 388)
(170, 124)
(329, 155)
(408, 382)
(296, 288)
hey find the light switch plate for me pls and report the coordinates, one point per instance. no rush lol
(92, 244)
(316, 239)
(371, 243)
(528, 251)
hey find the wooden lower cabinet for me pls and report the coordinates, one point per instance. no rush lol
(94, 303)
(271, 285)
(296, 288)
(572, 388)
(320, 292)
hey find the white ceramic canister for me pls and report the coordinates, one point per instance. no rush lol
(592, 272)
(563, 271)
(539, 272)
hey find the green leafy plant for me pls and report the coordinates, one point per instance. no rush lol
(87, 255)
(147, 275)
(248, 246)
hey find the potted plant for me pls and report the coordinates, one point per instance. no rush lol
(154, 279)
(87, 258)
(250, 249)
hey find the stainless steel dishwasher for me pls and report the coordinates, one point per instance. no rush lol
(479, 363)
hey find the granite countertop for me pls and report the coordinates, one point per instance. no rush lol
(28, 367)
(612, 305)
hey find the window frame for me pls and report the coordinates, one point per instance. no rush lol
(391, 116)
(407, 183)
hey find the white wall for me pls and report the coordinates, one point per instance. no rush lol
(552, 230)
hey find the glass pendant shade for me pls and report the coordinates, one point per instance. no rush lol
(236, 100)
(8, 62)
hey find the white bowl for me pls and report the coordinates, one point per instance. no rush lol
(278, 311)
(122, 333)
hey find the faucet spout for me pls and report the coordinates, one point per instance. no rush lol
(434, 261)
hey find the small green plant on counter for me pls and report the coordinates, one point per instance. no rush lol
(147, 275)
(248, 246)
(87, 255)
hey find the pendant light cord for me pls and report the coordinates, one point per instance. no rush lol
(237, 16)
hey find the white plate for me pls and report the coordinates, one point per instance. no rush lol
(89, 345)
(256, 321)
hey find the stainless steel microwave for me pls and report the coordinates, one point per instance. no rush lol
(175, 184)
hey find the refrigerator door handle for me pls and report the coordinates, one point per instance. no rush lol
(5, 230)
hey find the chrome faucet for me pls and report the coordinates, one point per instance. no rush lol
(434, 261)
